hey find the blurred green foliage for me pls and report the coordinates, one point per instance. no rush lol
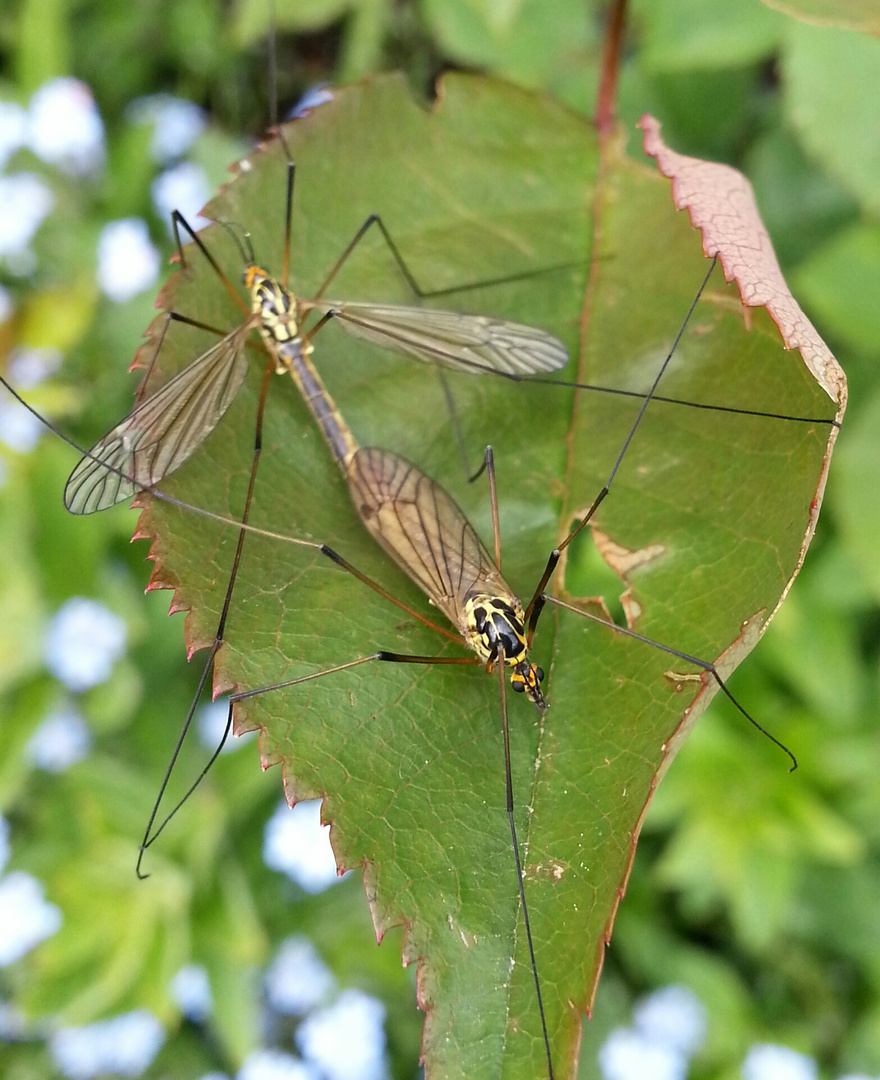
(755, 888)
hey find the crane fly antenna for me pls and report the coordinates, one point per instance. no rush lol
(246, 253)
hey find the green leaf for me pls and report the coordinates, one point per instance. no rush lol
(833, 279)
(801, 206)
(677, 36)
(493, 182)
(859, 509)
(536, 44)
(825, 75)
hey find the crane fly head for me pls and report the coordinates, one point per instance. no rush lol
(496, 627)
(253, 277)
(526, 679)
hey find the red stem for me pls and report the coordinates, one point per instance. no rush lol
(610, 68)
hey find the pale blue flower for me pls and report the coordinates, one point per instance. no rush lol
(25, 201)
(128, 261)
(82, 642)
(60, 741)
(296, 843)
(298, 978)
(275, 1065)
(177, 124)
(347, 1038)
(184, 188)
(191, 990)
(673, 1015)
(66, 128)
(26, 917)
(767, 1062)
(124, 1045)
(630, 1055)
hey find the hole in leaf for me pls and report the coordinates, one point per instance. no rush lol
(588, 575)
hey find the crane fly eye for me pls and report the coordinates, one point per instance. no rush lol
(519, 686)
(539, 672)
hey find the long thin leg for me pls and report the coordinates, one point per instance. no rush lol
(489, 460)
(373, 219)
(546, 381)
(508, 779)
(453, 417)
(150, 837)
(488, 466)
(221, 625)
(141, 392)
(600, 498)
(186, 320)
(376, 587)
(402, 658)
(272, 59)
(539, 598)
(223, 519)
(288, 219)
(175, 316)
(705, 665)
(150, 834)
(632, 431)
(418, 291)
(178, 220)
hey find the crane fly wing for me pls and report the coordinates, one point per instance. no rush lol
(471, 343)
(162, 432)
(422, 529)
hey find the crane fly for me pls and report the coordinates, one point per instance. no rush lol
(164, 430)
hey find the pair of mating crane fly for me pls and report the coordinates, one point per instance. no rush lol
(411, 516)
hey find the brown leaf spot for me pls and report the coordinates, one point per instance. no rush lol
(632, 609)
(552, 870)
(623, 560)
(678, 680)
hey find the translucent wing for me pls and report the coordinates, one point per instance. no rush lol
(162, 432)
(423, 530)
(471, 343)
